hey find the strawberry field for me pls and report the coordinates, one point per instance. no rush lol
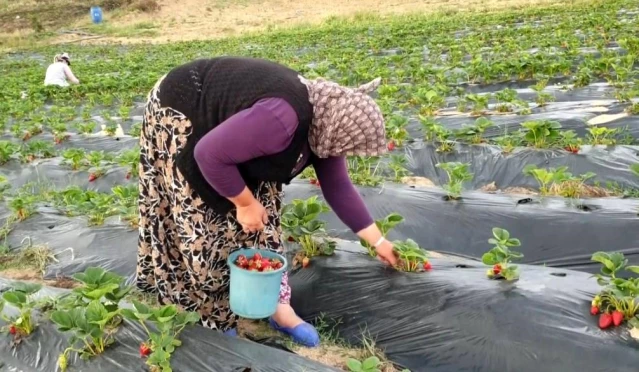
(513, 176)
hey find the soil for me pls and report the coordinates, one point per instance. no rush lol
(328, 353)
(209, 19)
(418, 181)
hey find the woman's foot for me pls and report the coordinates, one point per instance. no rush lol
(286, 321)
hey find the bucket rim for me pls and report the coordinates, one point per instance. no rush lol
(233, 255)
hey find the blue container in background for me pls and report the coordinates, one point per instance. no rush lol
(253, 294)
(96, 14)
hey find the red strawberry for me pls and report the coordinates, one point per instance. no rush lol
(128, 176)
(617, 318)
(13, 330)
(92, 177)
(313, 181)
(305, 261)
(605, 320)
(496, 269)
(266, 263)
(242, 261)
(391, 146)
(427, 266)
(594, 310)
(257, 257)
(144, 350)
(291, 239)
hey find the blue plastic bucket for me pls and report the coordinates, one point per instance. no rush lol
(253, 294)
(96, 14)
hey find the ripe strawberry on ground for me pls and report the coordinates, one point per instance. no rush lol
(427, 266)
(128, 176)
(291, 239)
(497, 269)
(13, 330)
(617, 318)
(92, 177)
(305, 262)
(313, 181)
(145, 350)
(594, 310)
(391, 146)
(605, 320)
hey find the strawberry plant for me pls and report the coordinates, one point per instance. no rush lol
(130, 159)
(479, 103)
(601, 136)
(396, 131)
(169, 323)
(126, 203)
(86, 127)
(364, 171)
(371, 364)
(8, 150)
(542, 97)
(36, 150)
(619, 298)
(410, 256)
(398, 166)
(301, 224)
(506, 99)
(73, 157)
(546, 177)
(457, 174)
(136, 130)
(93, 329)
(22, 205)
(570, 142)
(572, 186)
(384, 225)
(99, 284)
(20, 297)
(474, 133)
(97, 160)
(430, 101)
(59, 131)
(501, 256)
(541, 133)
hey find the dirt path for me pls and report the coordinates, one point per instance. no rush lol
(209, 19)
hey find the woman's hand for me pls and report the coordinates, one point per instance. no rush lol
(252, 217)
(385, 253)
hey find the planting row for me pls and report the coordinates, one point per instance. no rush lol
(453, 318)
(58, 330)
(422, 62)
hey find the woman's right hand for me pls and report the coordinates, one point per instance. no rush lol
(253, 217)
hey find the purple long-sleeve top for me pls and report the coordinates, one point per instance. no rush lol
(267, 128)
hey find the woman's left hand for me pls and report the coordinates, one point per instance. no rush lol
(386, 254)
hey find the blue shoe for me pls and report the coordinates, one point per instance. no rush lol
(231, 332)
(303, 334)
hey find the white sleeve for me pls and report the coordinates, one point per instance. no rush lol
(70, 76)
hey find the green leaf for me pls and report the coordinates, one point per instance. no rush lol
(63, 320)
(370, 363)
(634, 269)
(15, 298)
(489, 259)
(192, 317)
(500, 234)
(354, 365)
(129, 314)
(26, 288)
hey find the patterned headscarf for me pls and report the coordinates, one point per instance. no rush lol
(346, 121)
